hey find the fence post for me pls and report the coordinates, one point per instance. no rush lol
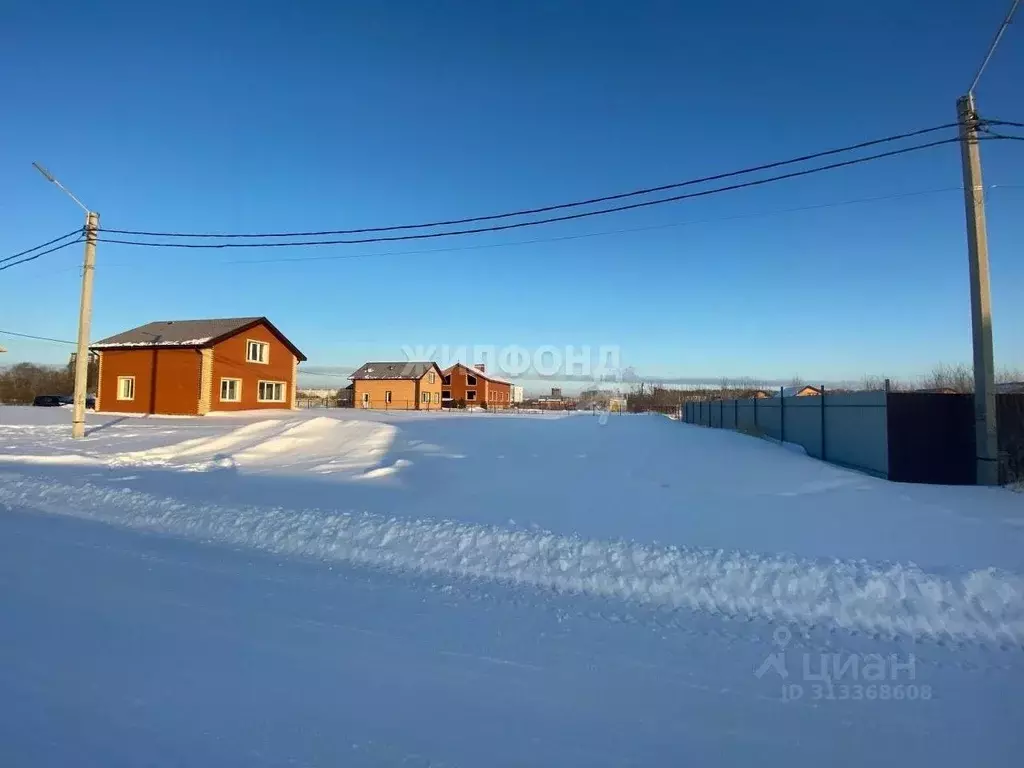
(755, 411)
(782, 414)
(736, 414)
(823, 455)
(721, 414)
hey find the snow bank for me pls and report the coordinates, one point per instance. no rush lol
(893, 599)
(281, 446)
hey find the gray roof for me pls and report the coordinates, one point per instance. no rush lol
(185, 333)
(188, 333)
(394, 370)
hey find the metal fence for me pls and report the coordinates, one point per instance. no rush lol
(848, 429)
(915, 437)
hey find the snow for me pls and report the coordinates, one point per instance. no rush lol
(175, 343)
(432, 588)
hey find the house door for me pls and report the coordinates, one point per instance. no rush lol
(366, 399)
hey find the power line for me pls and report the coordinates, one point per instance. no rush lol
(1005, 122)
(37, 255)
(41, 245)
(548, 208)
(995, 42)
(38, 338)
(653, 227)
(552, 219)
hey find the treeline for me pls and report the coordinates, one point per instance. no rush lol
(20, 383)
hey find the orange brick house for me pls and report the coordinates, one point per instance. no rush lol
(192, 367)
(475, 386)
(397, 386)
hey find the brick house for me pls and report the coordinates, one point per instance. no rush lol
(192, 367)
(397, 386)
(475, 386)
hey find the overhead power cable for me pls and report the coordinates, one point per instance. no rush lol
(550, 219)
(37, 338)
(35, 256)
(41, 245)
(585, 235)
(547, 208)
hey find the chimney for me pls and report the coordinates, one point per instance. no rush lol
(481, 367)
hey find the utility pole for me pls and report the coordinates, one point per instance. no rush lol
(92, 226)
(986, 435)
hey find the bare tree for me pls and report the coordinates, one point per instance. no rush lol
(953, 378)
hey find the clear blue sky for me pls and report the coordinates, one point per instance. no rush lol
(309, 115)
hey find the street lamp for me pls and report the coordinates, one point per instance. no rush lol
(92, 225)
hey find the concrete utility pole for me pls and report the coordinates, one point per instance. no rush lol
(92, 225)
(986, 436)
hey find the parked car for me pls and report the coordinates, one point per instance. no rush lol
(57, 401)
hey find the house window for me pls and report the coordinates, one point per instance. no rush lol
(471, 379)
(471, 394)
(387, 396)
(270, 392)
(257, 351)
(447, 380)
(366, 399)
(437, 398)
(425, 397)
(431, 377)
(446, 394)
(125, 387)
(230, 390)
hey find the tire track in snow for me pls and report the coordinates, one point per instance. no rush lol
(895, 599)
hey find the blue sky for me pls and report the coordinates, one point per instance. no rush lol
(322, 115)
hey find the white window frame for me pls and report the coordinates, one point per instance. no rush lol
(263, 345)
(238, 390)
(471, 395)
(365, 399)
(472, 383)
(387, 396)
(431, 377)
(437, 398)
(121, 381)
(425, 397)
(259, 394)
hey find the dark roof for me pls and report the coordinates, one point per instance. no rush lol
(188, 333)
(394, 370)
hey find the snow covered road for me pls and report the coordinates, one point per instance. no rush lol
(493, 591)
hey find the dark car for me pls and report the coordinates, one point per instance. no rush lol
(50, 401)
(61, 400)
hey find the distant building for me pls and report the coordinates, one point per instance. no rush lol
(803, 390)
(517, 393)
(475, 386)
(192, 367)
(556, 393)
(414, 386)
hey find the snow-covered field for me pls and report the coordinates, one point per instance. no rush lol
(476, 589)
